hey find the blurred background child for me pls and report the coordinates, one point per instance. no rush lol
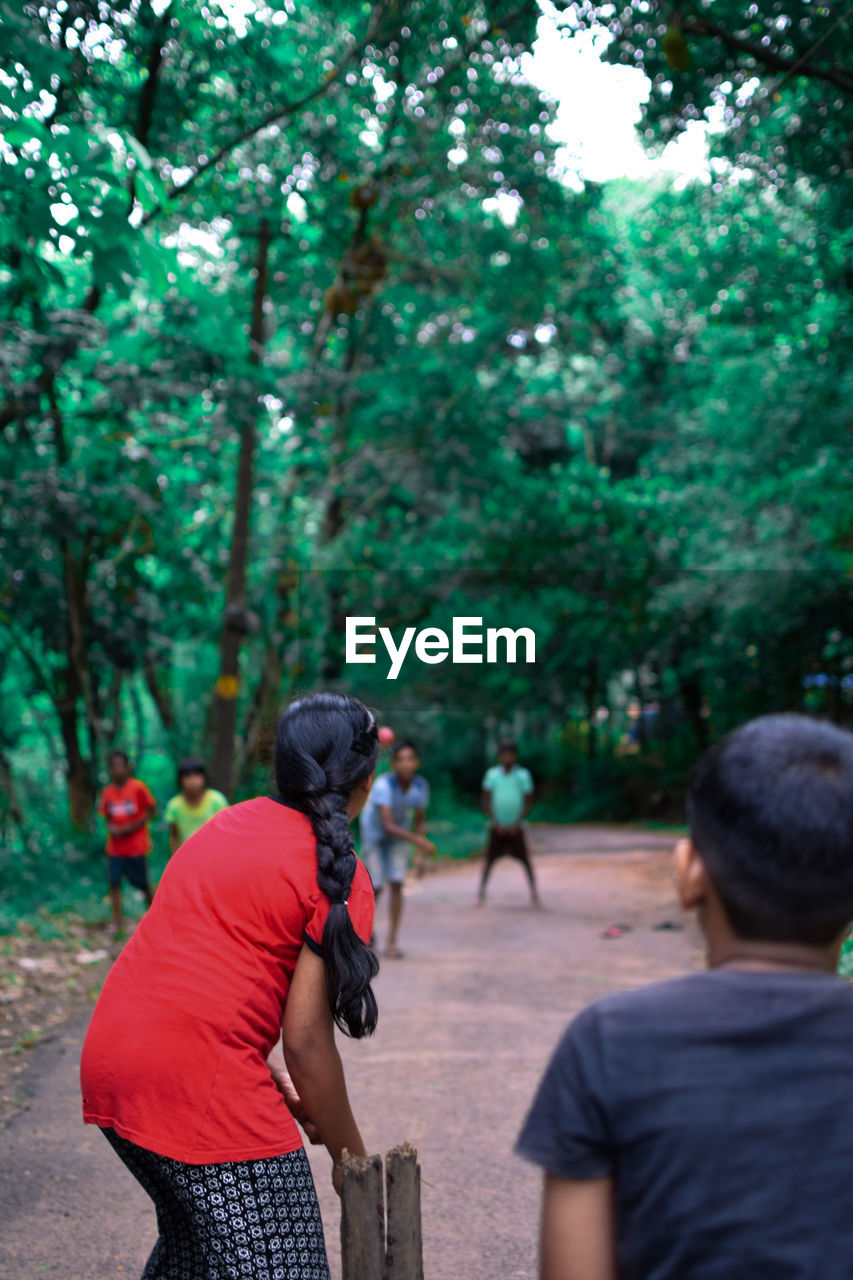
(393, 822)
(194, 803)
(127, 806)
(507, 797)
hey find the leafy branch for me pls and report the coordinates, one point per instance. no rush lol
(840, 77)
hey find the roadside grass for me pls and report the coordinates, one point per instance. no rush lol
(60, 884)
(53, 889)
(457, 831)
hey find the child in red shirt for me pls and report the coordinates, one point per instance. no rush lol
(128, 807)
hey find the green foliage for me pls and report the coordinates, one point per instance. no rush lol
(776, 75)
(619, 416)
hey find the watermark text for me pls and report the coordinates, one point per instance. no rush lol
(468, 641)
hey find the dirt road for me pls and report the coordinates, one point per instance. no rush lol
(467, 1022)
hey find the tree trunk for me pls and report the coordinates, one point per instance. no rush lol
(235, 624)
(591, 708)
(263, 709)
(642, 733)
(690, 688)
(10, 803)
(138, 721)
(81, 785)
(332, 662)
(836, 693)
(361, 269)
(159, 696)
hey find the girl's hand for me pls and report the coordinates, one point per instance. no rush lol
(337, 1177)
(287, 1089)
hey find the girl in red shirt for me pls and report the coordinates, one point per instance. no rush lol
(257, 935)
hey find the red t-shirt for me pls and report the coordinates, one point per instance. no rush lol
(122, 806)
(175, 1055)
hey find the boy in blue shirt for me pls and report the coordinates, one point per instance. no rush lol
(507, 798)
(701, 1128)
(392, 820)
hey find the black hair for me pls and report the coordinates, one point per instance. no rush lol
(771, 814)
(506, 745)
(403, 744)
(117, 753)
(192, 765)
(325, 744)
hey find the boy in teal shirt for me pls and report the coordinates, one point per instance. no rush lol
(193, 805)
(507, 797)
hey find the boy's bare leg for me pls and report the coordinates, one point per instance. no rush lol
(376, 893)
(528, 867)
(534, 893)
(115, 900)
(395, 908)
(489, 862)
(148, 890)
(487, 871)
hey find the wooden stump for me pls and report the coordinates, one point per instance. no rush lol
(362, 1218)
(403, 1248)
(381, 1217)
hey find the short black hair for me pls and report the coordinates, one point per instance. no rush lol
(771, 814)
(192, 765)
(117, 753)
(403, 744)
(506, 745)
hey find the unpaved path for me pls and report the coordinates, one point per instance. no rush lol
(467, 1022)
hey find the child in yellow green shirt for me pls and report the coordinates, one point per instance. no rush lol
(194, 803)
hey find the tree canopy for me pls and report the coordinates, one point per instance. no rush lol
(300, 321)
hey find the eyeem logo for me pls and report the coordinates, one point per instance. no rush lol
(432, 645)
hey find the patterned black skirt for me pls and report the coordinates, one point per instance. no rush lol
(244, 1220)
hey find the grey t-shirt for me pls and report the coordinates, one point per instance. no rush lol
(386, 790)
(722, 1105)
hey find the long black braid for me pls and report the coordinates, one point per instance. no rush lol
(326, 744)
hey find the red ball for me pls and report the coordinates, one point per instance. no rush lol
(386, 736)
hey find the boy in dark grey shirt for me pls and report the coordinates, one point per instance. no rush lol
(702, 1128)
